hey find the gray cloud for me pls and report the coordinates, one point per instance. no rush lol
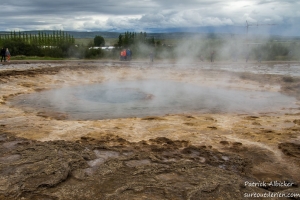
(143, 14)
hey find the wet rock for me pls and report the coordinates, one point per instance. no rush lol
(267, 131)
(297, 121)
(190, 117)
(290, 149)
(53, 115)
(237, 144)
(210, 119)
(251, 117)
(224, 142)
(256, 124)
(152, 118)
(212, 127)
(190, 124)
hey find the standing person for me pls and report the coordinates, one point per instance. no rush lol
(128, 54)
(247, 57)
(7, 54)
(151, 56)
(201, 58)
(123, 55)
(212, 55)
(247, 53)
(290, 55)
(3, 54)
(234, 56)
(259, 58)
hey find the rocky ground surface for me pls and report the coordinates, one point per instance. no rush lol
(46, 155)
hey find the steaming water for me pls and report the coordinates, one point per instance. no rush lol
(276, 69)
(149, 98)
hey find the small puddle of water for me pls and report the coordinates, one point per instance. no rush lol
(102, 156)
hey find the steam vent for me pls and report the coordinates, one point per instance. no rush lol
(149, 130)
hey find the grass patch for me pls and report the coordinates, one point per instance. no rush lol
(22, 57)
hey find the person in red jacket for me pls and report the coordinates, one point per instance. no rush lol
(7, 55)
(123, 55)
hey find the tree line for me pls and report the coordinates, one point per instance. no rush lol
(140, 44)
(56, 44)
(41, 38)
(59, 44)
(130, 38)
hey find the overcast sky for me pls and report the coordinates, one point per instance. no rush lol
(140, 15)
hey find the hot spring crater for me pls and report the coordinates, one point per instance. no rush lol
(140, 98)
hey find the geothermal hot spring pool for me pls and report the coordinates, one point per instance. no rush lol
(140, 98)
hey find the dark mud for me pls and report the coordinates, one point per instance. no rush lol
(113, 168)
(291, 150)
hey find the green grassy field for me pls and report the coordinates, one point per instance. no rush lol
(34, 58)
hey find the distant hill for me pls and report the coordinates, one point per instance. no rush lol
(75, 34)
(81, 34)
(175, 33)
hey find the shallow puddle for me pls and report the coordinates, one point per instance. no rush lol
(149, 98)
(102, 156)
